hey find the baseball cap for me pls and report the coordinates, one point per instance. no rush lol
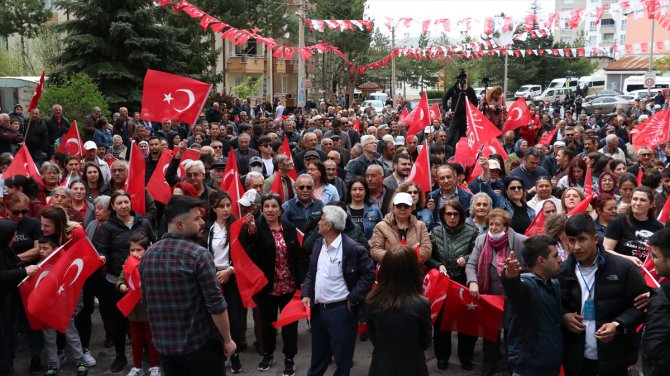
(388, 138)
(250, 197)
(402, 198)
(559, 144)
(218, 165)
(494, 165)
(90, 145)
(400, 140)
(383, 126)
(428, 129)
(255, 160)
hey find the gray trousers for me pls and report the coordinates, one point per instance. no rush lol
(71, 339)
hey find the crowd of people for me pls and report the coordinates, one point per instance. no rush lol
(575, 296)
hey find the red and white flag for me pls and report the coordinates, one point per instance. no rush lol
(537, 225)
(23, 164)
(230, 182)
(462, 155)
(640, 173)
(158, 186)
(29, 283)
(286, 150)
(581, 207)
(132, 274)
(518, 115)
(71, 142)
(357, 126)
(37, 94)
(654, 131)
(250, 278)
(435, 285)
(491, 146)
(420, 173)
(546, 139)
(171, 97)
(278, 186)
(189, 155)
(135, 179)
(54, 297)
(588, 181)
(479, 128)
(421, 118)
(435, 113)
(664, 215)
(293, 311)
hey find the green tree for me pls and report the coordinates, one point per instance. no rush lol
(247, 88)
(25, 18)
(77, 94)
(115, 42)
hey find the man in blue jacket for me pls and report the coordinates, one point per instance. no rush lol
(534, 342)
(339, 276)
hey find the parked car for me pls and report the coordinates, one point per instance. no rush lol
(549, 95)
(603, 93)
(376, 104)
(640, 94)
(608, 104)
(379, 96)
(528, 91)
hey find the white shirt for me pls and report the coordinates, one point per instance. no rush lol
(586, 275)
(221, 251)
(329, 284)
(269, 166)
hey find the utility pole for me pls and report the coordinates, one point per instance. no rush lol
(392, 62)
(302, 93)
(505, 78)
(651, 51)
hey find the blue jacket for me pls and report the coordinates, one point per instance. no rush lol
(330, 194)
(426, 216)
(303, 218)
(358, 270)
(103, 138)
(502, 202)
(534, 340)
(372, 216)
(464, 198)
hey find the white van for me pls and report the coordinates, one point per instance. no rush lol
(528, 91)
(551, 94)
(378, 96)
(633, 83)
(592, 84)
(562, 82)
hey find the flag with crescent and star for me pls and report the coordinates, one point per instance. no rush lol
(157, 186)
(29, 283)
(518, 115)
(23, 164)
(71, 143)
(37, 94)
(54, 299)
(131, 273)
(479, 128)
(421, 118)
(168, 96)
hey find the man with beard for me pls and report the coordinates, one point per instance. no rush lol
(402, 166)
(187, 311)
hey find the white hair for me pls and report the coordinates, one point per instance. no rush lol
(197, 163)
(335, 216)
(251, 175)
(367, 139)
(102, 200)
(611, 137)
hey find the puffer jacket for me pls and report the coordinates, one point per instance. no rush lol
(111, 240)
(386, 237)
(450, 244)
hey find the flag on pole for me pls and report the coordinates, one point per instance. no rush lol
(37, 94)
(135, 179)
(168, 96)
(420, 173)
(71, 143)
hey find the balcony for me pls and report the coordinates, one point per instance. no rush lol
(245, 64)
(310, 66)
(279, 66)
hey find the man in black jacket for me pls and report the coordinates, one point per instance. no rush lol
(598, 292)
(457, 94)
(37, 138)
(656, 337)
(339, 276)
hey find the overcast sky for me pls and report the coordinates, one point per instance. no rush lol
(452, 9)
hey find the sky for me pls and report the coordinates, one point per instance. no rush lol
(452, 9)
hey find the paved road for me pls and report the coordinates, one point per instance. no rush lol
(250, 357)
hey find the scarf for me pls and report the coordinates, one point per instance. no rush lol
(485, 258)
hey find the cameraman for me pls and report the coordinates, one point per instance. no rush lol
(457, 95)
(493, 106)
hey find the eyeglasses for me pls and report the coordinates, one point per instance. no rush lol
(401, 206)
(413, 192)
(332, 158)
(20, 212)
(304, 187)
(217, 147)
(515, 188)
(645, 155)
(452, 214)
(265, 145)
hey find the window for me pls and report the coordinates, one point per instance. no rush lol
(623, 24)
(593, 40)
(248, 48)
(592, 26)
(622, 39)
(608, 38)
(606, 22)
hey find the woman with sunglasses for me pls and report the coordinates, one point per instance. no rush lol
(29, 187)
(486, 263)
(452, 243)
(400, 227)
(272, 244)
(359, 208)
(421, 213)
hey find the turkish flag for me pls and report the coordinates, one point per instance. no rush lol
(476, 317)
(357, 126)
(37, 94)
(654, 131)
(188, 155)
(537, 225)
(463, 155)
(171, 97)
(277, 186)
(435, 113)
(71, 143)
(23, 164)
(403, 114)
(491, 146)
(581, 207)
(110, 161)
(158, 187)
(546, 139)
(588, 181)
(420, 173)
(650, 275)
(479, 128)
(135, 179)
(132, 275)
(300, 235)
(29, 283)
(230, 182)
(250, 279)
(421, 118)
(664, 215)
(640, 173)
(286, 150)
(54, 299)
(292, 312)
(518, 115)
(435, 285)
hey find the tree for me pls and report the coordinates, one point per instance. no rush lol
(25, 18)
(115, 42)
(247, 88)
(77, 94)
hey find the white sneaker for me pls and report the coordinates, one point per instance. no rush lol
(62, 359)
(154, 371)
(135, 371)
(89, 360)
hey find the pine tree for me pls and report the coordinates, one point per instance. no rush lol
(115, 42)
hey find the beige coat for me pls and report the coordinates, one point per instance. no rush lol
(386, 237)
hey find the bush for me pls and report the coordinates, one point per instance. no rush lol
(77, 94)
(434, 94)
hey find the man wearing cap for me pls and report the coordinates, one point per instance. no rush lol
(358, 166)
(216, 174)
(402, 165)
(495, 172)
(337, 130)
(304, 211)
(91, 155)
(251, 200)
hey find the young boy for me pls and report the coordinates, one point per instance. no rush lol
(46, 246)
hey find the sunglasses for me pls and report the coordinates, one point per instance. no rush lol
(402, 206)
(266, 145)
(217, 147)
(20, 212)
(452, 214)
(304, 187)
(515, 188)
(413, 192)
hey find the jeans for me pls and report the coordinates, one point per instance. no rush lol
(206, 361)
